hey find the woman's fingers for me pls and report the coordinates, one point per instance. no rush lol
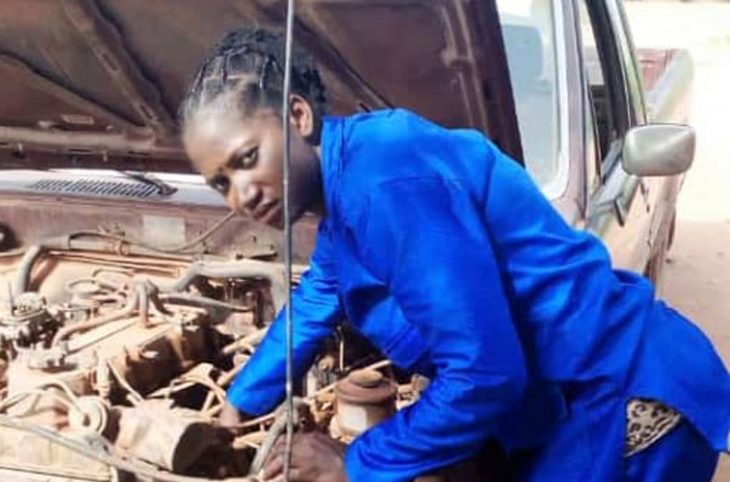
(274, 463)
(274, 472)
(230, 416)
(276, 449)
(273, 467)
(314, 457)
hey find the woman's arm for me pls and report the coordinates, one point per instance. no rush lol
(426, 239)
(259, 388)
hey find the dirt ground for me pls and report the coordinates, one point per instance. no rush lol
(697, 280)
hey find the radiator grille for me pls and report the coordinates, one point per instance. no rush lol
(96, 188)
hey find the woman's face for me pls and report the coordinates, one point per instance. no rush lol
(242, 158)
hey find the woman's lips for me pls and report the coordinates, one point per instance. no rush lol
(273, 217)
(262, 208)
(265, 210)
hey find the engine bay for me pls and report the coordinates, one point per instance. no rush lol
(114, 366)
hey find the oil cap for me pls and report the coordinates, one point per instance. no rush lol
(367, 387)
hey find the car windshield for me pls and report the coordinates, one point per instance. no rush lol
(528, 28)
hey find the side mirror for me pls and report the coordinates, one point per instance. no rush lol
(659, 150)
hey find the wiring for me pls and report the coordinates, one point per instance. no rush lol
(183, 248)
(135, 397)
(37, 393)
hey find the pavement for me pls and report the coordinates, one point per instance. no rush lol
(697, 277)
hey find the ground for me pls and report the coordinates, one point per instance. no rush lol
(697, 280)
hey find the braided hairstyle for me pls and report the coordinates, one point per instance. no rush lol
(250, 62)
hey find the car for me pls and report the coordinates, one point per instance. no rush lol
(131, 297)
(582, 93)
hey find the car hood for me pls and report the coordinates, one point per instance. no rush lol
(96, 83)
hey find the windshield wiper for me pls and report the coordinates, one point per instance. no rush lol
(163, 188)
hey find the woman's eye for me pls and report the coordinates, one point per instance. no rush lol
(248, 159)
(221, 184)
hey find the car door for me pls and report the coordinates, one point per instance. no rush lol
(659, 191)
(619, 204)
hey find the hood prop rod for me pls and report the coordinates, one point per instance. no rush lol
(286, 124)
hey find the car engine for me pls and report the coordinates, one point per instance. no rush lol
(114, 366)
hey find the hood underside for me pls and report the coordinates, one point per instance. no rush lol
(96, 83)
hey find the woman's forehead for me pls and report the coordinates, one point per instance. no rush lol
(211, 136)
(210, 141)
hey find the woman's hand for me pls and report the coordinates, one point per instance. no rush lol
(230, 416)
(315, 457)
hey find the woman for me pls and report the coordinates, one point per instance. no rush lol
(441, 250)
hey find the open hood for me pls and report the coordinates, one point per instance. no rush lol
(96, 83)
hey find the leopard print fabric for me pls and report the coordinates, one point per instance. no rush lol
(646, 422)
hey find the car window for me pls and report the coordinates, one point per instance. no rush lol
(599, 93)
(606, 82)
(529, 33)
(628, 54)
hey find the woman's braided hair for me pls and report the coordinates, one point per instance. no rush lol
(250, 61)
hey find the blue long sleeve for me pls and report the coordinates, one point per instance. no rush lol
(259, 388)
(425, 240)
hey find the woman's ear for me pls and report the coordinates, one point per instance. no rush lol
(302, 116)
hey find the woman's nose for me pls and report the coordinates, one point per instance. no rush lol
(245, 194)
(251, 196)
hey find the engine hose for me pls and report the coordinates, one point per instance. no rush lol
(22, 276)
(142, 471)
(195, 300)
(66, 243)
(247, 268)
(124, 312)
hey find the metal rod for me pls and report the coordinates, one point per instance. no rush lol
(286, 124)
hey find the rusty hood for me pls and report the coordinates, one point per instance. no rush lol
(96, 83)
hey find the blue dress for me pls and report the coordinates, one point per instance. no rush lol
(442, 251)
